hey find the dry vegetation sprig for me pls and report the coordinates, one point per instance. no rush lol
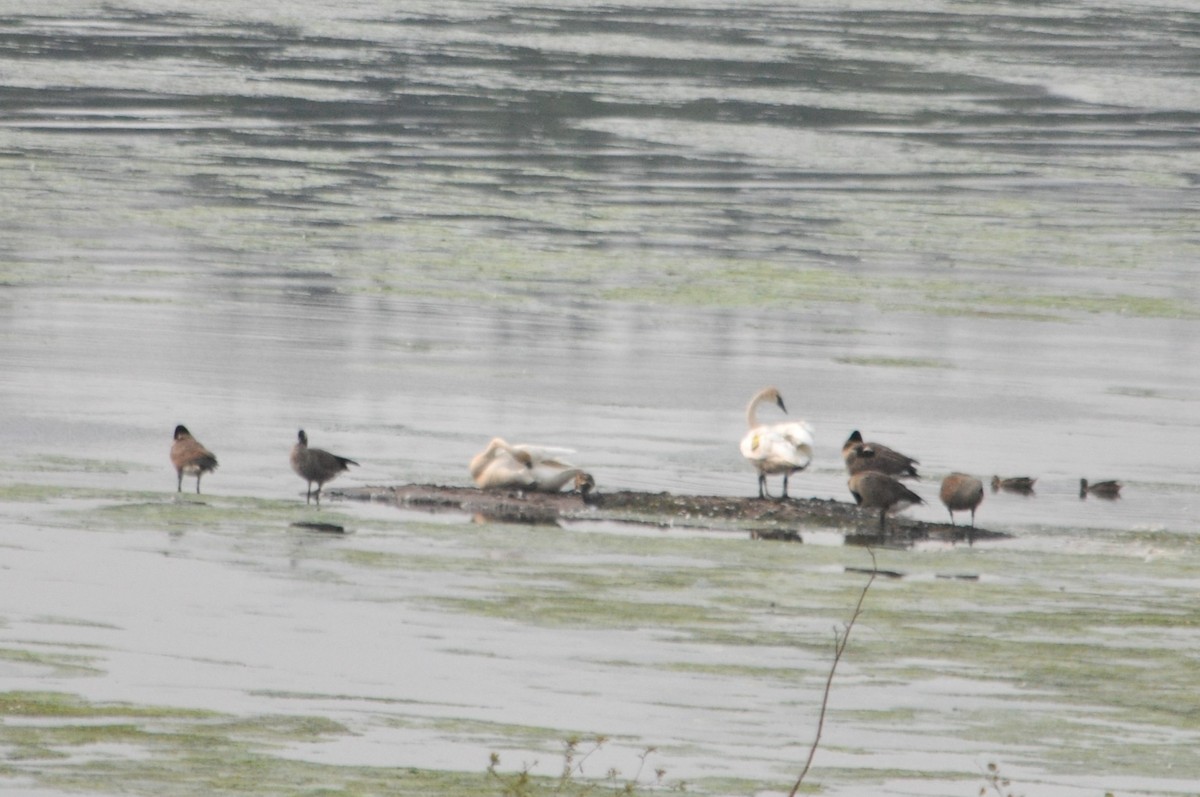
(840, 639)
(523, 784)
(995, 782)
(571, 781)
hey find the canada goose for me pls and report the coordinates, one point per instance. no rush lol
(188, 456)
(1110, 489)
(1013, 484)
(776, 448)
(874, 490)
(316, 465)
(861, 456)
(961, 492)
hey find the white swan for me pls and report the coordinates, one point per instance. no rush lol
(551, 475)
(776, 448)
(524, 467)
(502, 467)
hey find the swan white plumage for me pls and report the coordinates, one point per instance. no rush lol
(525, 467)
(780, 448)
(500, 467)
(551, 475)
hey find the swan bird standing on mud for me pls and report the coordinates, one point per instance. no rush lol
(503, 466)
(780, 448)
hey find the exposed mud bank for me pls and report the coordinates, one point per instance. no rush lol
(762, 519)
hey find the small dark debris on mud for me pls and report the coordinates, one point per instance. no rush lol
(324, 528)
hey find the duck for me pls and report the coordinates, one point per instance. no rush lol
(780, 448)
(1109, 489)
(861, 456)
(316, 465)
(1013, 484)
(502, 465)
(190, 457)
(874, 490)
(961, 492)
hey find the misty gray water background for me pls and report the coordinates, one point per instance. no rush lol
(969, 230)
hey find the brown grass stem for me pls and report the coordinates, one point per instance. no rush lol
(839, 647)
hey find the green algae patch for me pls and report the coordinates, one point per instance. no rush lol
(1101, 304)
(1052, 665)
(581, 611)
(373, 559)
(750, 284)
(60, 741)
(58, 664)
(22, 492)
(50, 463)
(176, 511)
(246, 773)
(61, 704)
(894, 362)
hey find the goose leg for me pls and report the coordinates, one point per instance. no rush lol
(785, 478)
(179, 484)
(762, 486)
(197, 484)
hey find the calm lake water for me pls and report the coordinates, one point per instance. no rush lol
(969, 230)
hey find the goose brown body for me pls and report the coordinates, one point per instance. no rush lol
(316, 466)
(861, 456)
(961, 493)
(875, 490)
(190, 457)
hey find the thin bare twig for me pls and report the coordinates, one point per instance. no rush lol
(839, 647)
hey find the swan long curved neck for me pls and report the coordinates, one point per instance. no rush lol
(752, 412)
(761, 397)
(485, 457)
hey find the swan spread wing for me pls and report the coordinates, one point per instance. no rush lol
(522, 466)
(539, 452)
(499, 466)
(505, 472)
